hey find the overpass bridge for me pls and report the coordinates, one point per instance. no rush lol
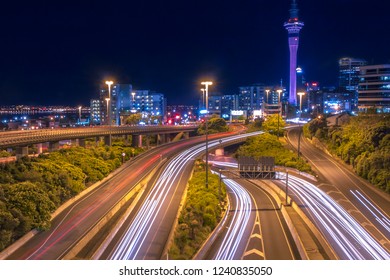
(21, 140)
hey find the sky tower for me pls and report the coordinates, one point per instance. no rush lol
(293, 26)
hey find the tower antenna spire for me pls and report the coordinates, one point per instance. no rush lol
(294, 10)
(293, 26)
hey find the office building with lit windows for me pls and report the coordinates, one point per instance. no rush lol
(149, 104)
(95, 113)
(374, 89)
(251, 98)
(117, 101)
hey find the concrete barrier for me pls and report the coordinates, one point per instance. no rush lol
(81, 243)
(305, 243)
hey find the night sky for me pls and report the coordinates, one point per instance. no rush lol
(57, 52)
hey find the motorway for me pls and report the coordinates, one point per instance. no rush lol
(254, 228)
(147, 230)
(368, 206)
(73, 223)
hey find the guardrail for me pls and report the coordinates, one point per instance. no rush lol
(29, 137)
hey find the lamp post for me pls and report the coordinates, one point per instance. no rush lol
(79, 114)
(207, 84)
(203, 98)
(299, 121)
(265, 107)
(279, 91)
(300, 103)
(108, 101)
(109, 83)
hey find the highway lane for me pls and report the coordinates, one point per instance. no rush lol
(68, 227)
(254, 228)
(347, 237)
(368, 205)
(145, 234)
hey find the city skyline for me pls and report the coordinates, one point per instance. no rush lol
(55, 54)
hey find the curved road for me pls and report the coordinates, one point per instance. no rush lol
(255, 228)
(369, 206)
(72, 224)
(146, 232)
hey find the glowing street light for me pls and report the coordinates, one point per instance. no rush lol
(203, 92)
(279, 91)
(207, 84)
(299, 121)
(300, 102)
(108, 101)
(266, 103)
(79, 114)
(109, 83)
(133, 94)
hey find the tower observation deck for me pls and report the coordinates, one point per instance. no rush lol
(293, 26)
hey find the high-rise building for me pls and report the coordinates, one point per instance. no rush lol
(214, 106)
(251, 98)
(95, 113)
(119, 102)
(374, 88)
(293, 26)
(349, 69)
(148, 103)
(229, 102)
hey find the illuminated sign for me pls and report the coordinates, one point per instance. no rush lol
(237, 113)
(257, 113)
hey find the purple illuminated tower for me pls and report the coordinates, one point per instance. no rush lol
(293, 26)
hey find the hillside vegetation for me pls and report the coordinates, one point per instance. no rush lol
(363, 143)
(268, 145)
(32, 188)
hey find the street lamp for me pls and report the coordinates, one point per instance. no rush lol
(299, 121)
(109, 83)
(133, 94)
(79, 114)
(266, 91)
(108, 101)
(207, 84)
(279, 91)
(203, 92)
(300, 103)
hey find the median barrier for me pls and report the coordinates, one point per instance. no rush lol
(81, 243)
(305, 243)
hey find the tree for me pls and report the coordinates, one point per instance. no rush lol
(133, 119)
(271, 124)
(32, 201)
(215, 124)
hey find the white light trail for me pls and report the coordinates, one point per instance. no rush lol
(140, 228)
(346, 235)
(379, 216)
(238, 224)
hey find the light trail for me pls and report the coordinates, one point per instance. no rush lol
(347, 236)
(238, 224)
(134, 238)
(378, 215)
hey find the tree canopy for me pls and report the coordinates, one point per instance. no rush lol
(363, 142)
